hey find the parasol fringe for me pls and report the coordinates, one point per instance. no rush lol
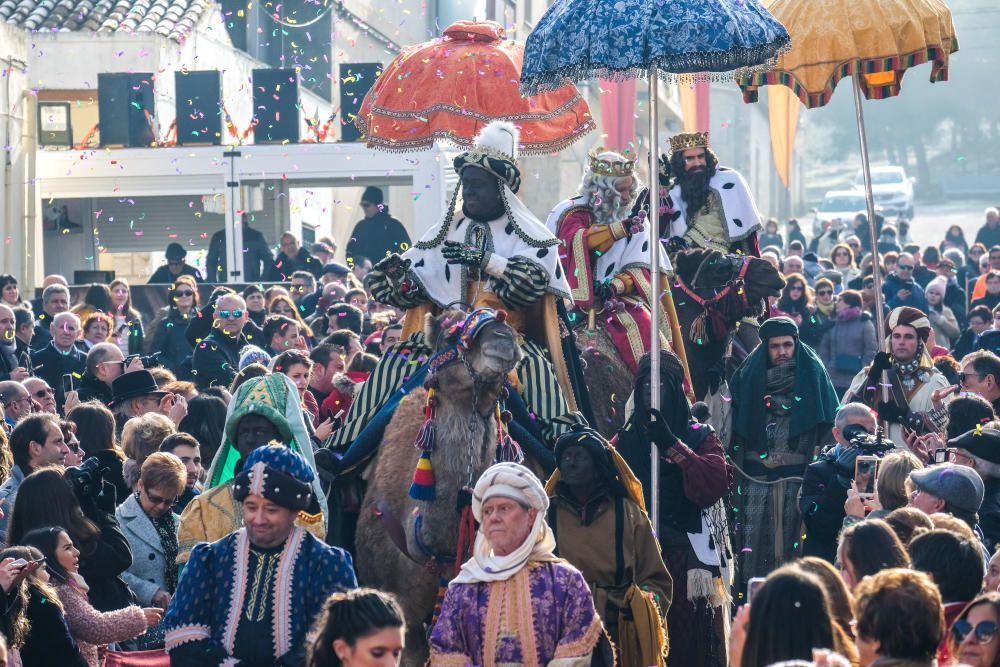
(751, 82)
(685, 67)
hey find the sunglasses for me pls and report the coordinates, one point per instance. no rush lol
(962, 376)
(870, 285)
(366, 204)
(235, 314)
(986, 631)
(42, 393)
(824, 292)
(795, 288)
(74, 447)
(904, 267)
(180, 294)
(157, 500)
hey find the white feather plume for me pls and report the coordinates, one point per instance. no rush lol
(500, 135)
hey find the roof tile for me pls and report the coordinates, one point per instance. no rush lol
(175, 19)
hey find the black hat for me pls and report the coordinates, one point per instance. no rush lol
(336, 268)
(983, 443)
(134, 384)
(373, 195)
(175, 252)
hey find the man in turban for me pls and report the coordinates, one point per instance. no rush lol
(514, 601)
(606, 254)
(489, 252)
(262, 409)
(709, 206)
(251, 597)
(597, 503)
(784, 407)
(911, 380)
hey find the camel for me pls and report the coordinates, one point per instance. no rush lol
(610, 381)
(465, 445)
(708, 273)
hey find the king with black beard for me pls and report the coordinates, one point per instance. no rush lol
(491, 252)
(709, 206)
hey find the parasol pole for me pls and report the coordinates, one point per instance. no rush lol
(872, 232)
(654, 303)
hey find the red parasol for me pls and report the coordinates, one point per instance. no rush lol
(451, 87)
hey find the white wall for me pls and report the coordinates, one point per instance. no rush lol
(15, 113)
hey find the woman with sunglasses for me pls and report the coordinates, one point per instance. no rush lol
(171, 324)
(795, 299)
(128, 333)
(974, 632)
(149, 524)
(842, 257)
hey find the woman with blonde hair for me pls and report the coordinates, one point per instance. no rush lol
(140, 438)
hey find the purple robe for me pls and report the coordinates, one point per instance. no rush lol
(543, 613)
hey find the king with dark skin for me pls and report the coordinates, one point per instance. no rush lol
(577, 471)
(481, 202)
(254, 431)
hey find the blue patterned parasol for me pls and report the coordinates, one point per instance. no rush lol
(578, 40)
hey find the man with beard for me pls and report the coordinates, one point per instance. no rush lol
(606, 254)
(495, 254)
(784, 407)
(912, 380)
(709, 206)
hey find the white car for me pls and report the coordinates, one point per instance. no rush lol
(892, 189)
(840, 205)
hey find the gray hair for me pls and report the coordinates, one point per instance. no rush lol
(52, 289)
(65, 316)
(851, 411)
(604, 199)
(956, 256)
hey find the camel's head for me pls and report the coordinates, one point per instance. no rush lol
(710, 268)
(763, 280)
(485, 340)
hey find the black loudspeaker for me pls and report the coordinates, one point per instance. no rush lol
(355, 81)
(275, 106)
(123, 102)
(198, 107)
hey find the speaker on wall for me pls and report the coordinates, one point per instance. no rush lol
(198, 107)
(275, 106)
(123, 101)
(356, 79)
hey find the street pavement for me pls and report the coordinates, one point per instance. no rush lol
(931, 221)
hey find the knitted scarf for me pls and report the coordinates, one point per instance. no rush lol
(814, 400)
(166, 529)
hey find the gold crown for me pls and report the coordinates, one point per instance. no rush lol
(604, 167)
(686, 140)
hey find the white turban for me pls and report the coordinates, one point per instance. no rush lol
(508, 480)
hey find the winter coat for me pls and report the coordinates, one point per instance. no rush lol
(852, 343)
(92, 629)
(815, 326)
(147, 575)
(49, 643)
(821, 502)
(894, 283)
(945, 325)
(345, 388)
(170, 340)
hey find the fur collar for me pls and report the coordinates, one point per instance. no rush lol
(345, 385)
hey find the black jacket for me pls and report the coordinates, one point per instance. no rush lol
(216, 359)
(102, 567)
(42, 335)
(51, 364)
(170, 340)
(18, 356)
(965, 344)
(257, 257)
(200, 325)
(49, 643)
(377, 237)
(989, 514)
(93, 389)
(163, 276)
(284, 267)
(821, 503)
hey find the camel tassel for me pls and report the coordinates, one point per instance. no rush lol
(427, 435)
(423, 484)
(697, 331)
